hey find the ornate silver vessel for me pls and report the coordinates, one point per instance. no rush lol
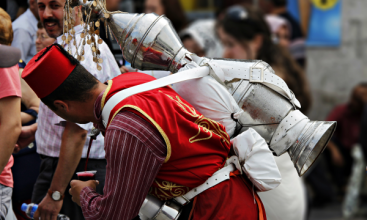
(274, 115)
(149, 42)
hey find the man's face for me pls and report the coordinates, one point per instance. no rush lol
(51, 14)
(43, 40)
(72, 113)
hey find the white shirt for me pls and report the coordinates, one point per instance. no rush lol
(48, 135)
(25, 35)
(288, 200)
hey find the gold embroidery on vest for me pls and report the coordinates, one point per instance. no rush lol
(168, 190)
(204, 124)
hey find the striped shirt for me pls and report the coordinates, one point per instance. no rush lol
(48, 135)
(135, 151)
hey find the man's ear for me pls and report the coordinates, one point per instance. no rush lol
(61, 105)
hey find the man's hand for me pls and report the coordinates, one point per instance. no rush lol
(77, 186)
(48, 209)
(124, 69)
(26, 137)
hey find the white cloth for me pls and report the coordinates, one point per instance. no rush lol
(25, 35)
(211, 99)
(155, 73)
(256, 160)
(10, 215)
(288, 200)
(48, 135)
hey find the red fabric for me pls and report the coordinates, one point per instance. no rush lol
(46, 74)
(348, 129)
(190, 163)
(6, 177)
(10, 82)
(228, 200)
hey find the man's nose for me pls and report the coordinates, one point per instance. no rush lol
(48, 12)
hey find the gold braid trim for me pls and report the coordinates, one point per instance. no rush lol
(105, 94)
(207, 125)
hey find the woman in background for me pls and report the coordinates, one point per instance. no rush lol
(245, 34)
(171, 8)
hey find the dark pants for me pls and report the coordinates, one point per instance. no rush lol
(43, 183)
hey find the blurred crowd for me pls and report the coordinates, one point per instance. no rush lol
(238, 30)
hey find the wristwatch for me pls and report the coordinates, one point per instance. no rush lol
(55, 195)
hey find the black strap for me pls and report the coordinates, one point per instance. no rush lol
(239, 126)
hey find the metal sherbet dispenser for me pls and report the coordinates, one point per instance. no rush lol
(149, 42)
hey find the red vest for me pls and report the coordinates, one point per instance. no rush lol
(197, 146)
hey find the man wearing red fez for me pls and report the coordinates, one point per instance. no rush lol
(155, 143)
(63, 149)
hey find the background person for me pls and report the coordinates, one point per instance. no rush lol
(63, 149)
(43, 40)
(280, 30)
(245, 34)
(297, 46)
(347, 134)
(200, 38)
(25, 31)
(279, 8)
(10, 120)
(10, 123)
(172, 9)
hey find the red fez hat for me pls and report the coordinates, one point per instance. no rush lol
(47, 70)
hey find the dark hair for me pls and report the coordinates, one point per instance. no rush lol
(254, 24)
(174, 11)
(248, 28)
(279, 3)
(76, 87)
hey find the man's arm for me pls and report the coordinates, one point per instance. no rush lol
(29, 99)
(10, 127)
(131, 170)
(27, 136)
(71, 150)
(23, 41)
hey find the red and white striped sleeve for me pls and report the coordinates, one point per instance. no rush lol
(135, 152)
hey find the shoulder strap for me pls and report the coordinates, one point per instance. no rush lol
(172, 79)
